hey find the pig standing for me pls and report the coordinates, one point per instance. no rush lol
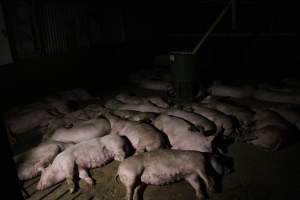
(83, 131)
(142, 136)
(31, 163)
(85, 155)
(181, 134)
(166, 166)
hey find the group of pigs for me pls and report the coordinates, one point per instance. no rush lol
(168, 144)
(273, 111)
(157, 141)
(23, 119)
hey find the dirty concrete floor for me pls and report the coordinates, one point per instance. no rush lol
(258, 175)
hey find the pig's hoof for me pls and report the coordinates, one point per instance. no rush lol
(71, 190)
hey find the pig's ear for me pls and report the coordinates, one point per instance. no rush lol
(210, 138)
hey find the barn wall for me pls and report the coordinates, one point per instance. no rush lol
(264, 42)
(77, 43)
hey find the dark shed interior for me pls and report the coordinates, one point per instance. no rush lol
(110, 47)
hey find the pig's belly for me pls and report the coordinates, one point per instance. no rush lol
(160, 177)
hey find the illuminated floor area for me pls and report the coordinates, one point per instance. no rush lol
(258, 175)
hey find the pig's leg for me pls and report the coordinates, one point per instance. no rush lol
(209, 182)
(194, 182)
(68, 168)
(138, 191)
(83, 174)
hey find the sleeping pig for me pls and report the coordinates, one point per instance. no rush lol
(142, 136)
(83, 131)
(197, 120)
(82, 156)
(134, 115)
(132, 99)
(162, 167)
(143, 107)
(225, 124)
(31, 163)
(181, 134)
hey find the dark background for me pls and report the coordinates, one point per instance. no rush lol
(60, 45)
(65, 44)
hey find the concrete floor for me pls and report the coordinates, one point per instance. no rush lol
(258, 175)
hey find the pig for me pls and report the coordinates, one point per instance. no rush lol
(281, 97)
(225, 124)
(142, 136)
(244, 115)
(156, 85)
(131, 99)
(197, 120)
(163, 167)
(134, 115)
(290, 115)
(59, 105)
(232, 91)
(82, 156)
(269, 138)
(25, 122)
(266, 117)
(182, 135)
(144, 107)
(278, 88)
(84, 131)
(68, 121)
(31, 163)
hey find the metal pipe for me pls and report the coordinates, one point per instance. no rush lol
(211, 28)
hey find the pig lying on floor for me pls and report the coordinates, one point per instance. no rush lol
(275, 96)
(134, 115)
(73, 119)
(132, 99)
(85, 155)
(142, 136)
(270, 131)
(181, 135)
(31, 163)
(161, 167)
(225, 124)
(143, 107)
(83, 131)
(232, 91)
(197, 120)
(244, 115)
